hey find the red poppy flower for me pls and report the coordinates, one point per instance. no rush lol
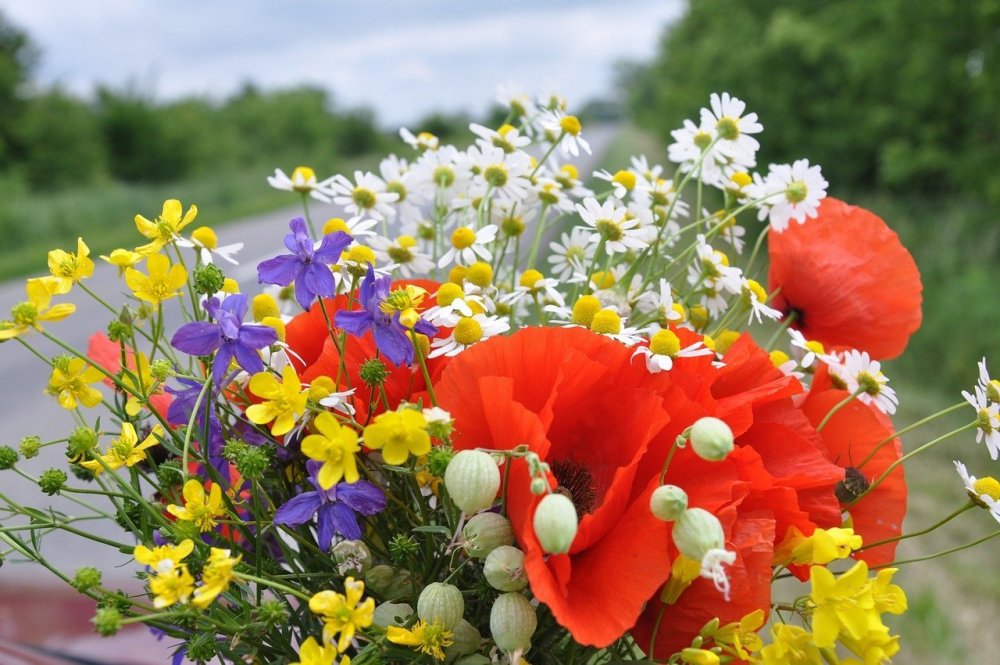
(107, 354)
(848, 279)
(849, 438)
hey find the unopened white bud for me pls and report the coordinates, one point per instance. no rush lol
(539, 486)
(504, 569)
(711, 439)
(555, 523)
(472, 479)
(485, 532)
(668, 502)
(696, 532)
(512, 622)
(442, 603)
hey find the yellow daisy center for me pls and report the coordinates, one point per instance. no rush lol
(571, 125)
(585, 309)
(665, 343)
(606, 322)
(480, 274)
(988, 486)
(529, 278)
(468, 331)
(335, 224)
(364, 198)
(625, 178)
(463, 237)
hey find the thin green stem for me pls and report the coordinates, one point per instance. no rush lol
(905, 536)
(910, 428)
(837, 407)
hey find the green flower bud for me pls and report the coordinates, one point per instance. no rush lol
(504, 569)
(388, 582)
(208, 279)
(129, 515)
(438, 459)
(539, 486)
(473, 480)
(485, 532)
(711, 439)
(119, 330)
(391, 614)
(442, 603)
(169, 474)
(30, 445)
(52, 481)
(118, 600)
(107, 621)
(253, 461)
(352, 556)
(81, 441)
(696, 532)
(61, 362)
(555, 523)
(273, 612)
(161, 369)
(466, 639)
(374, 372)
(8, 458)
(86, 578)
(512, 622)
(668, 502)
(402, 548)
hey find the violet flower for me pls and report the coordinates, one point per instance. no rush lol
(179, 413)
(337, 508)
(228, 337)
(307, 265)
(390, 335)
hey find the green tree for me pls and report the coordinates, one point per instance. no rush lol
(18, 57)
(64, 141)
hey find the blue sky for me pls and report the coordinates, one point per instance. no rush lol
(402, 58)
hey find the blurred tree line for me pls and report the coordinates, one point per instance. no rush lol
(52, 139)
(899, 101)
(894, 94)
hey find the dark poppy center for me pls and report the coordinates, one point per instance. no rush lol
(852, 486)
(577, 483)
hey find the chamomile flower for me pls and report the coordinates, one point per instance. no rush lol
(519, 103)
(990, 386)
(754, 297)
(568, 177)
(724, 226)
(696, 147)
(452, 304)
(403, 252)
(612, 224)
(423, 141)
(711, 268)
(502, 175)
(356, 227)
(641, 167)
(661, 304)
(987, 419)
(572, 254)
(505, 137)
(622, 181)
(733, 128)
(788, 192)
(985, 492)
(367, 195)
(206, 243)
(664, 347)
(863, 375)
(659, 196)
(338, 401)
(550, 193)
(397, 176)
(436, 173)
(302, 180)
(566, 129)
(535, 284)
(809, 350)
(469, 330)
(468, 244)
(609, 323)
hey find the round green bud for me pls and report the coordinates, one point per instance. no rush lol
(504, 569)
(8, 458)
(485, 532)
(273, 612)
(539, 486)
(253, 461)
(161, 369)
(86, 578)
(352, 556)
(391, 614)
(696, 532)
(711, 439)
(466, 639)
(555, 523)
(473, 480)
(30, 445)
(52, 481)
(169, 474)
(442, 603)
(119, 600)
(107, 621)
(119, 330)
(512, 622)
(208, 279)
(374, 372)
(402, 547)
(668, 502)
(81, 441)
(438, 459)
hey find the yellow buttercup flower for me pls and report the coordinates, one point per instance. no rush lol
(285, 400)
(341, 612)
(139, 384)
(173, 586)
(70, 384)
(163, 558)
(123, 451)
(199, 508)
(166, 228)
(68, 268)
(842, 605)
(742, 636)
(30, 313)
(428, 638)
(311, 653)
(161, 284)
(335, 446)
(216, 576)
(791, 646)
(123, 258)
(398, 434)
(819, 548)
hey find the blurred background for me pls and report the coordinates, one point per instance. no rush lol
(107, 112)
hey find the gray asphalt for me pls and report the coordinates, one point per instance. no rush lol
(26, 410)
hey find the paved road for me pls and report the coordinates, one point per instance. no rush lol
(26, 410)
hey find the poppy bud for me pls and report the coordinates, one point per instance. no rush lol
(485, 532)
(442, 603)
(472, 479)
(555, 523)
(668, 502)
(513, 622)
(696, 532)
(504, 569)
(711, 439)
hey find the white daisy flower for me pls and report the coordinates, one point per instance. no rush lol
(808, 350)
(733, 128)
(988, 420)
(507, 138)
(303, 180)
(367, 195)
(984, 491)
(711, 268)
(861, 374)
(754, 296)
(468, 245)
(423, 141)
(690, 142)
(568, 177)
(622, 181)
(519, 103)
(566, 130)
(609, 323)
(339, 402)
(469, 330)
(436, 174)
(550, 193)
(661, 304)
(990, 385)
(648, 174)
(572, 254)
(535, 284)
(356, 227)
(206, 243)
(660, 195)
(403, 252)
(664, 347)
(613, 224)
(504, 175)
(724, 226)
(788, 192)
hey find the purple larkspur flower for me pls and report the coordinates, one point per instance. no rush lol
(179, 413)
(336, 509)
(227, 336)
(307, 265)
(390, 335)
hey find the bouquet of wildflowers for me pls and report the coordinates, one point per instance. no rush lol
(488, 415)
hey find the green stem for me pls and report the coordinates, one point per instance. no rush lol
(841, 404)
(910, 428)
(966, 506)
(941, 553)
